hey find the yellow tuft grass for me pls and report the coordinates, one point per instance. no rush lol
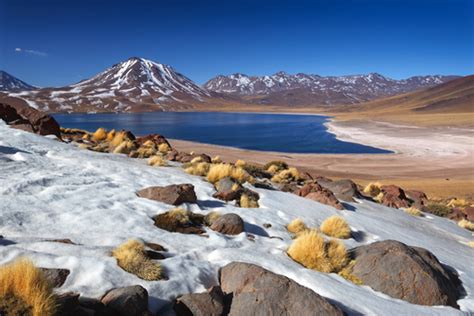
(22, 281)
(240, 163)
(216, 159)
(156, 161)
(99, 135)
(458, 203)
(312, 251)
(125, 147)
(373, 189)
(413, 211)
(146, 152)
(119, 138)
(197, 159)
(110, 135)
(222, 170)
(346, 273)
(336, 226)
(164, 148)
(131, 256)
(211, 217)
(273, 169)
(275, 166)
(464, 223)
(247, 202)
(471, 244)
(286, 175)
(199, 169)
(297, 226)
(379, 197)
(86, 136)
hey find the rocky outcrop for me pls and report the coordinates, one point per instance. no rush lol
(316, 192)
(409, 273)
(344, 189)
(394, 196)
(230, 224)
(56, 277)
(26, 118)
(174, 194)
(256, 291)
(210, 303)
(127, 301)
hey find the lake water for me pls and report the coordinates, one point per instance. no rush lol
(265, 132)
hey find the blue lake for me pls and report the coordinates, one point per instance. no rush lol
(265, 132)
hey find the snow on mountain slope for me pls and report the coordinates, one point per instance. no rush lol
(313, 88)
(11, 83)
(131, 85)
(51, 190)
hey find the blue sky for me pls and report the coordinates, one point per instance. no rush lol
(53, 43)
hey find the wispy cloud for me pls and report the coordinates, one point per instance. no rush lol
(31, 52)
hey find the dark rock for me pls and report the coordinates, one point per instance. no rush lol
(183, 222)
(174, 194)
(264, 184)
(154, 255)
(457, 214)
(394, 196)
(57, 277)
(316, 192)
(288, 187)
(67, 303)
(155, 246)
(267, 225)
(344, 189)
(155, 138)
(210, 303)
(230, 224)
(227, 189)
(256, 291)
(257, 172)
(469, 211)
(63, 241)
(418, 198)
(205, 158)
(409, 273)
(127, 301)
(172, 155)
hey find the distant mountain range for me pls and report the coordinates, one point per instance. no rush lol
(303, 89)
(10, 83)
(138, 84)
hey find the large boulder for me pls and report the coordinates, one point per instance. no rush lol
(409, 273)
(344, 189)
(256, 291)
(174, 194)
(316, 192)
(230, 224)
(418, 198)
(210, 303)
(394, 196)
(24, 117)
(127, 301)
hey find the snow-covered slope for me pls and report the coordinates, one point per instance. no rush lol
(11, 83)
(136, 84)
(51, 190)
(309, 88)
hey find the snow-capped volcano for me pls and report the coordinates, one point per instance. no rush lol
(314, 89)
(136, 84)
(11, 83)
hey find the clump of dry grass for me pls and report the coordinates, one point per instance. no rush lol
(110, 135)
(373, 189)
(196, 160)
(131, 256)
(222, 170)
(464, 223)
(346, 273)
(379, 197)
(26, 285)
(413, 211)
(458, 203)
(157, 161)
(99, 135)
(211, 217)
(312, 251)
(125, 147)
(119, 138)
(297, 226)
(336, 226)
(471, 244)
(216, 159)
(86, 136)
(286, 176)
(247, 202)
(275, 166)
(164, 148)
(198, 169)
(240, 163)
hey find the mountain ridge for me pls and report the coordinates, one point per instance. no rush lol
(8, 82)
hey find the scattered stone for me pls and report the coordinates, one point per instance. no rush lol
(63, 241)
(230, 224)
(154, 138)
(256, 291)
(267, 225)
(288, 187)
(174, 194)
(180, 221)
(57, 277)
(210, 303)
(154, 255)
(469, 211)
(316, 192)
(344, 189)
(264, 184)
(155, 247)
(227, 189)
(127, 301)
(457, 215)
(409, 273)
(418, 198)
(394, 196)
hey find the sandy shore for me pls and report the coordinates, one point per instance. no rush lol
(439, 161)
